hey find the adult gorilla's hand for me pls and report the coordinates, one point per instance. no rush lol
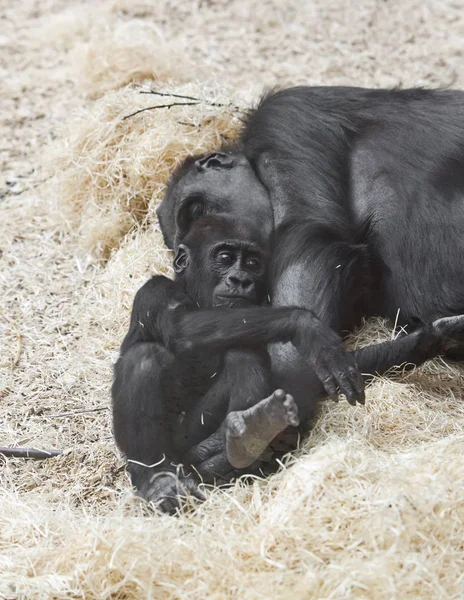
(335, 368)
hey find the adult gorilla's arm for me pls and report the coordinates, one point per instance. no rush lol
(223, 328)
(299, 141)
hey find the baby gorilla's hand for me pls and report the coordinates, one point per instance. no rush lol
(324, 350)
(211, 462)
(166, 490)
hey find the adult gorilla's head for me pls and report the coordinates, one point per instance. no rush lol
(218, 182)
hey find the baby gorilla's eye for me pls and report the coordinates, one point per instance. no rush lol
(253, 263)
(225, 257)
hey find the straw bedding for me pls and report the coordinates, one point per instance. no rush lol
(372, 504)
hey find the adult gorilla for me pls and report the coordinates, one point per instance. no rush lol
(363, 193)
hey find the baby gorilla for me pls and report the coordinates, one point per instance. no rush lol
(221, 265)
(194, 383)
(176, 382)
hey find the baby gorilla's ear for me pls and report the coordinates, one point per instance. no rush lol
(182, 259)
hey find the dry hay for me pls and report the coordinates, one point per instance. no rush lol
(113, 166)
(132, 52)
(371, 506)
(107, 53)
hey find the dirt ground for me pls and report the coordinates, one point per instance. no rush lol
(372, 504)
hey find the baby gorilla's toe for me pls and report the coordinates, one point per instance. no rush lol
(291, 410)
(235, 424)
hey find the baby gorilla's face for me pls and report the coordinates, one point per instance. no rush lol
(237, 272)
(223, 263)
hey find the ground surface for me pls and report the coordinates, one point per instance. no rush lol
(372, 506)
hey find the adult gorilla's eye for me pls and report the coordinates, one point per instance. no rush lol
(253, 263)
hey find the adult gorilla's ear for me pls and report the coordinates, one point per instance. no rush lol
(167, 210)
(182, 259)
(214, 160)
(193, 209)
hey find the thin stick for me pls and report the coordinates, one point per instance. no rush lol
(77, 412)
(160, 106)
(19, 339)
(199, 100)
(169, 95)
(23, 452)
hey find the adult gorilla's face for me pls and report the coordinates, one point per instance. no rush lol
(218, 182)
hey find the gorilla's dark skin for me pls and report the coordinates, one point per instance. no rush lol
(196, 355)
(362, 194)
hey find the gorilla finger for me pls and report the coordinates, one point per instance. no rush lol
(198, 494)
(204, 450)
(345, 388)
(352, 385)
(217, 466)
(360, 393)
(350, 396)
(167, 505)
(330, 387)
(358, 384)
(190, 488)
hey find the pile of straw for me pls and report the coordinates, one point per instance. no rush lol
(113, 164)
(371, 505)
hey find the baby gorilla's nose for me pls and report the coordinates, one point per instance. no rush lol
(241, 283)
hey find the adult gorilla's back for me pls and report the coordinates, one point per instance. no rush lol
(363, 191)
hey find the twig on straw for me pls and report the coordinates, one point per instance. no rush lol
(199, 100)
(193, 102)
(160, 106)
(169, 95)
(19, 340)
(23, 452)
(77, 412)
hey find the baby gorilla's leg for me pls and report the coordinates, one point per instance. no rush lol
(249, 432)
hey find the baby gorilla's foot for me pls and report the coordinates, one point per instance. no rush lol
(249, 432)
